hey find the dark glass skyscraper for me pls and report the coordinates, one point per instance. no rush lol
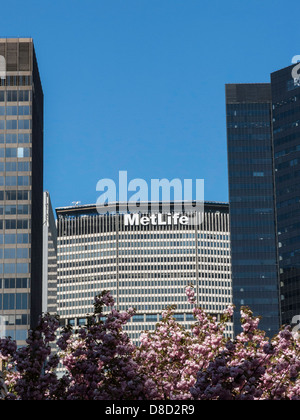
(252, 203)
(21, 188)
(286, 138)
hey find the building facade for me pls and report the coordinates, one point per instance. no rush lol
(252, 203)
(263, 136)
(145, 266)
(21, 188)
(286, 139)
(49, 304)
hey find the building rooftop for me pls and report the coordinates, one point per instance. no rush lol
(122, 207)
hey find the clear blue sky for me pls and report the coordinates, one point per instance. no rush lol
(138, 85)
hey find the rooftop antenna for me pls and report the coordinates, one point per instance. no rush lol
(76, 203)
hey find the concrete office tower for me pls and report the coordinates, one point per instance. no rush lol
(144, 266)
(255, 276)
(21, 188)
(49, 258)
(286, 138)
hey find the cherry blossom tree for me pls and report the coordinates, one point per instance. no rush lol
(252, 367)
(171, 363)
(99, 358)
(172, 355)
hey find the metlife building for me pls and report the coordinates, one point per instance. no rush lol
(146, 259)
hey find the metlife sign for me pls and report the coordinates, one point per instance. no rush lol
(158, 219)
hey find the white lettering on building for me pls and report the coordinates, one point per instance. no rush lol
(158, 219)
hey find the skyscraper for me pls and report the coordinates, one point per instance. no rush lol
(21, 188)
(286, 138)
(252, 203)
(145, 266)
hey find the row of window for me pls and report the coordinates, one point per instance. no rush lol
(18, 283)
(76, 249)
(185, 251)
(12, 301)
(13, 181)
(252, 186)
(249, 149)
(251, 211)
(18, 335)
(286, 127)
(246, 112)
(15, 209)
(12, 268)
(135, 236)
(20, 166)
(14, 224)
(239, 174)
(15, 238)
(285, 114)
(15, 152)
(12, 138)
(154, 307)
(15, 124)
(16, 81)
(13, 195)
(287, 101)
(13, 253)
(15, 110)
(287, 164)
(15, 95)
(254, 124)
(22, 319)
(287, 151)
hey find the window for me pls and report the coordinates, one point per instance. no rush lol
(10, 224)
(22, 268)
(11, 110)
(24, 124)
(23, 209)
(22, 283)
(9, 238)
(11, 210)
(11, 166)
(22, 238)
(9, 253)
(11, 181)
(24, 110)
(11, 124)
(10, 152)
(12, 96)
(23, 152)
(21, 335)
(23, 180)
(11, 138)
(24, 138)
(24, 166)
(8, 301)
(24, 96)
(9, 268)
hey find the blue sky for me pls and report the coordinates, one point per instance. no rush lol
(138, 85)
